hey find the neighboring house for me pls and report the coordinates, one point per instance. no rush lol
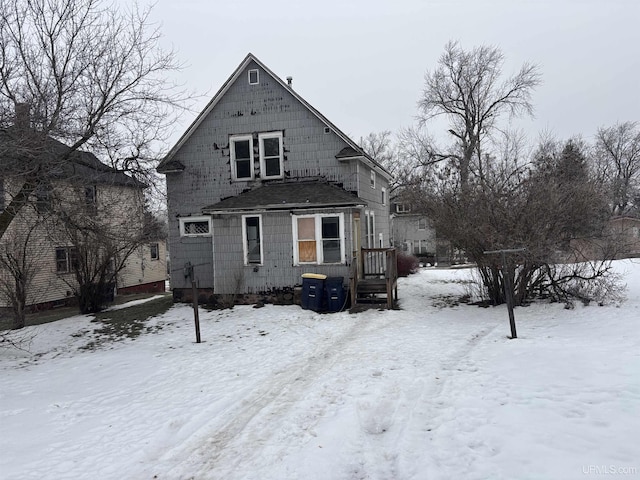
(413, 233)
(35, 231)
(263, 188)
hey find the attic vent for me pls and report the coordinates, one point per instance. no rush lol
(254, 78)
(327, 130)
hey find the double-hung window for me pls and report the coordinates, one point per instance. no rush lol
(252, 239)
(318, 238)
(66, 259)
(241, 147)
(270, 146)
(154, 251)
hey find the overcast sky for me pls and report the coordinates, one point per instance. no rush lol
(362, 63)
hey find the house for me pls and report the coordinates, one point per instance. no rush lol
(413, 233)
(38, 234)
(263, 188)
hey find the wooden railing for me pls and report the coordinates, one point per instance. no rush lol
(375, 270)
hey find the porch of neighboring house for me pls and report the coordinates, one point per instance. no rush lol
(374, 272)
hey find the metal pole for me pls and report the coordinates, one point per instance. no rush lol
(508, 293)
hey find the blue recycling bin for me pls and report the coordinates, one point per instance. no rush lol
(334, 294)
(312, 291)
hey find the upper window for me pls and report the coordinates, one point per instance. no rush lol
(270, 154)
(195, 226)
(252, 239)
(422, 224)
(402, 208)
(155, 251)
(241, 147)
(254, 77)
(90, 196)
(384, 196)
(373, 178)
(318, 239)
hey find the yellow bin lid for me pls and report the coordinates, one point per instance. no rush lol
(318, 276)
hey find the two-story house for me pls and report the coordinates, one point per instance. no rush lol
(263, 188)
(413, 232)
(80, 182)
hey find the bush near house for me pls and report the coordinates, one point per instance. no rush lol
(407, 264)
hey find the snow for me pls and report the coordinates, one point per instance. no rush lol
(431, 391)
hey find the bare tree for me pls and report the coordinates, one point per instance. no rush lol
(86, 73)
(467, 88)
(617, 151)
(20, 261)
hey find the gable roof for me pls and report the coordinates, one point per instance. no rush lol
(78, 165)
(285, 196)
(165, 164)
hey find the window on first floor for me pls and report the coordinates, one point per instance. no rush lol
(155, 251)
(66, 259)
(369, 229)
(318, 238)
(252, 239)
(195, 226)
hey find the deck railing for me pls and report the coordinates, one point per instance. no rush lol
(377, 268)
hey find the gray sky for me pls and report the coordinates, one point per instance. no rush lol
(362, 63)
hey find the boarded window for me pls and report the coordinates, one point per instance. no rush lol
(319, 239)
(307, 240)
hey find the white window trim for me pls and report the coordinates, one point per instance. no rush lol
(373, 178)
(257, 72)
(157, 245)
(232, 153)
(384, 196)
(370, 228)
(263, 164)
(244, 240)
(421, 221)
(194, 219)
(318, 229)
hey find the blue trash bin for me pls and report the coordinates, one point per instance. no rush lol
(334, 294)
(312, 291)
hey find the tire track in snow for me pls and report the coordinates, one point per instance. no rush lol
(386, 424)
(246, 435)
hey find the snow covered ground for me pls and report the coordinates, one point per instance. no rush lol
(432, 391)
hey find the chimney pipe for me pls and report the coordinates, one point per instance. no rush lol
(290, 81)
(22, 116)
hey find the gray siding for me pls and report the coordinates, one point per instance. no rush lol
(277, 271)
(308, 152)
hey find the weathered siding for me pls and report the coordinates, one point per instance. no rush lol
(373, 198)
(277, 271)
(309, 149)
